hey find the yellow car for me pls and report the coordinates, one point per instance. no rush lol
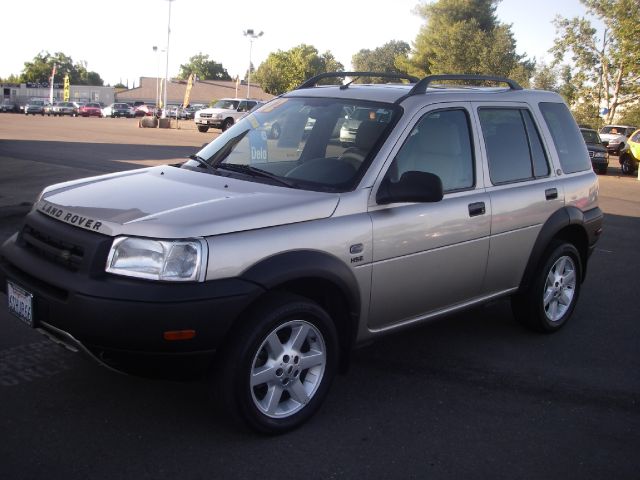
(629, 160)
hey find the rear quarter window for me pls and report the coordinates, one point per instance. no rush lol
(566, 137)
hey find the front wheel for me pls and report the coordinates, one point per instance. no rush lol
(227, 124)
(279, 368)
(553, 293)
(203, 128)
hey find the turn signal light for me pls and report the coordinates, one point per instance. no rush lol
(174, 335)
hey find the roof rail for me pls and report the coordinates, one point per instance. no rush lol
(421, 86)
(313, 81)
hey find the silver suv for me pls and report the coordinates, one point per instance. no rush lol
(272, 258)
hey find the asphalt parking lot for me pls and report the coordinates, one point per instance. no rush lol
(472, 396)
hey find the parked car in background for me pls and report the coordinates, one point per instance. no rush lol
(48, 108)
(64, 108)
(35, 107)
(8, 106)
(597, 150)
(616, 136)
(90, 110)
(630, 158)
(223, 114)
(118, 110)
(353, 120)
(145, 110)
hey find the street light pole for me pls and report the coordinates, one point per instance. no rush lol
(155, 50)
(252, 36)
(166, 72)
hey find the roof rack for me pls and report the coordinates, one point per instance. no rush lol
(421, 86)
(313, 81)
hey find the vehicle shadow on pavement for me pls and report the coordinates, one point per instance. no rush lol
(95, 157)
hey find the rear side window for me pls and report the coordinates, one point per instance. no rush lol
(566, 137)
(514, 148)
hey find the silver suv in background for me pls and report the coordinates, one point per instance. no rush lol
(223, 114)
(616, 137)
(271, 257)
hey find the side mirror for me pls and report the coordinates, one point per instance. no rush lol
(413, 186)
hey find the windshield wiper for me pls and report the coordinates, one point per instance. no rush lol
(256, 172)
(203, 162)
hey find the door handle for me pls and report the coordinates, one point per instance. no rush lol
(476, 209)
(551, 193)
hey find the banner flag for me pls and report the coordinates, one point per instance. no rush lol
(187, 92)
(66, 88)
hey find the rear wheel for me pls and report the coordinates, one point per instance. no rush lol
(278, 370)
(627, 164)
(203, 128)
(552, 296)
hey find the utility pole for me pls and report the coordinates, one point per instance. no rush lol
(252, 36)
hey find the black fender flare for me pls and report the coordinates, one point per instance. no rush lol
(290, 266)
(299, 264)
(588, 222)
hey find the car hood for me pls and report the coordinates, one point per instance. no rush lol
(596, 147)
(169, 202)
(215, 110)
(610, 137)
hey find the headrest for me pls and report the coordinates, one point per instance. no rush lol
(368, 133)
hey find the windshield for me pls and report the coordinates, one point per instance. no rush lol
(300, 142)
(227, 104)
(591, 136)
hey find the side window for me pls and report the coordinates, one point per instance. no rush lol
(636, 137)
(566, 137)
(440, 143)
(514, 148)
(242, 107)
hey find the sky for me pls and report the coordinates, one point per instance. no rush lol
(116, 37)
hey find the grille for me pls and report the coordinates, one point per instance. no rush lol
(63, 253)
(205, 115)
(591, 154)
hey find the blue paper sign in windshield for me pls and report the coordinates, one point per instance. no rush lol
(258, 145)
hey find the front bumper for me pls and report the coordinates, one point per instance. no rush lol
(106, 313)
(209, 122)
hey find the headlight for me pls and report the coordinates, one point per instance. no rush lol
(167, 260)
(219, 116)
(599, 155)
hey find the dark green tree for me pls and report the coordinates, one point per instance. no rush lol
(464, 36)
(203, 68)
(284, 70)
(39, 70)
(605, 71)
(381, 59)
(545, 77)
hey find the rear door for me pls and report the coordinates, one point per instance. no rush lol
(523, 189)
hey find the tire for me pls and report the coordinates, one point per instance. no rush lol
(270, 381)
(627, 164)
(275, 131)
(227, 124)
(203, 128)
(603, 170)
(548, 303)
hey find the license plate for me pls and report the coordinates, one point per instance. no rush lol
(20, 303)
